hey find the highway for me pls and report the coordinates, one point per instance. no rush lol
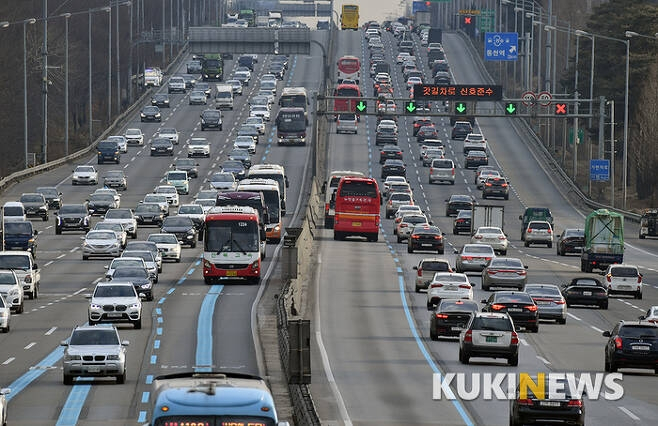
(373, 350)
(188, 324)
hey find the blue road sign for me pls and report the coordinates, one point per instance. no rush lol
(501, 46)
(419, 6)
(599, 170)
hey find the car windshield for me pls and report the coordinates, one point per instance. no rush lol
(185, 163)
(489, 231)
(94, 337)
(198, 141)
(101, 198)
(574, 233)
(7, 277)
(115, 291)
(166, 190)
(114, 174)
(163, 238)
(130, 272)
(48, 192)
(414, 219)
(429, 265)
(84, 169)
(133, 132)
(32, 198)
(500, 324)
(118, 214)
(167, 131)
(222, 177)
(177, 221)
(400, 197)
(76, 209)
(18, 228)
(148, 208)
(190, 209)
(210, 114)
(177, 176)
(144, 254)
(155, 198)
(101, 235)
(117, 227)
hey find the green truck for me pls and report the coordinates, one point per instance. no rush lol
(534, 213)
(604, 240)
(212, 67)
(248, 15)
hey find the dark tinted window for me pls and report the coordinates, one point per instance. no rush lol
(94, 337)
(430, 265)
(638, 331)
(621, 271)
(458, 306)
(483, 323)
(513, 298)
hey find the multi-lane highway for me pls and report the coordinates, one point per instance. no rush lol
(175, 335)
(373, 348)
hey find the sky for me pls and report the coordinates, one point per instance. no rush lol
(375, 10)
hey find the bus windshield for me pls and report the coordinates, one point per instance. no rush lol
(210, 420)
(273, 203)
(349, 64)
(239, 236)
(292, 121)
(293, 100)
(358, 189)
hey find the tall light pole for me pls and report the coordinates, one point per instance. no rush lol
(628, 34)
(66, 17)
(25, 136)
(91, 110)
(116, 58)
(44, 81)
(109, 66)
(581, 33)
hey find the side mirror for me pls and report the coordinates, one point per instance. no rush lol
(641, 317)
(606, 334)
(35, 267)
(64, 343)
(415, 268)
(87, 296)
(520, 217)
(455, 251)
(483, 301)
(36, 232)
(125, 343)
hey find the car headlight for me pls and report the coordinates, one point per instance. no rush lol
(68, 357)
(152, 148)
(94, 306)
(145, 286)
(28, 279)
(203, 121)
(157, 115)
(13, 291)
(136, 305)
(142, 115)
(4, 314)
(113, 358)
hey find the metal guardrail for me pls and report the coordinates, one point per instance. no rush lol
(26, 173)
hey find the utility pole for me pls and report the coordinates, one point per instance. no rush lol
(44, 81)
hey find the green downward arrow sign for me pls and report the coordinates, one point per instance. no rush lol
(411, 107)
(361, 106)
(460, 107)
(510, 108)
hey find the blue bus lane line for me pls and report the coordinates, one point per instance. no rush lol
(203, 360)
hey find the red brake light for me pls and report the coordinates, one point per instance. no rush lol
(575, 403)
(467, 257)
(522, 273)
(415, 237)
(526, 401)
(529, 231)
(549, 231)
(515, 338)
(618, 342)
(420, 272)
(441, 316)
(467, 286)
(438, 237)
(608, 277)
(502, 238)
(531, 308)
(639, 279)
(487, 184)
(504, 185)
(492, 271)
(403, 225)
(468, 336)
(436, 285)
(559, 302)
(497, 307)
(478, 237)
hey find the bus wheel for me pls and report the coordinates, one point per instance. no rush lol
(207, 280)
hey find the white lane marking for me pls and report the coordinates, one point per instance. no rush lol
(51, 331)
(325, 361)
(30, 345)
(544, 360)
(73, 249)
(629, 413)
(9, 361)
(49, 263)
(598, 330)
(523, 342)
(573, 316)
(62, 255)
(80, 291)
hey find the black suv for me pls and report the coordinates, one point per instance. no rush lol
(161, 100)
(183, 228)
(394, 168)
(518, 305)
(53, 196)
(632, 344)
(187, 165)
(391, 152)
(495, 187)
(426, 237)
(450, 317)
(72, 217)
(35, 205)
(461, 129)
(462, 222)
(458, 202)
(108, 151)
(211, 118)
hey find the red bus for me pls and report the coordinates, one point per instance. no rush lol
(357, 206)
(349, 68)
(231, 247)
(351, 94)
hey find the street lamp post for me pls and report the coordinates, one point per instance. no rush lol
(25, 136)
(66, 17)
(91, 110)
(109, 66)
(44, 81)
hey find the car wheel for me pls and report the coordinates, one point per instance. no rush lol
(178, 260)
(45, 218)
(638, 296)
(193, 245)
(507, 197)
(526, 244)
(485, 287)
(455, 232)
(121, 378)
(604, 305)
(35, 293)
(21, 308)
(549, 245)
(441, 251)
(562, 320)
(503, 252)
(433, 335)
(67, 379)
(409, 249)
(399, 239)
(84, 257)
(534, 329)
(463, 357)
(513, 360)
(138, 324)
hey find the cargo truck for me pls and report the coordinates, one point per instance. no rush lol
(487, 216)
(604, 240)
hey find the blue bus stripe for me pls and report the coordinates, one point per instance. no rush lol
(73, 405)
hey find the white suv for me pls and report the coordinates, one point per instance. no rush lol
(11, 290)
(539, 232)
(27, 272)
(442, 170)
(623, 278)
(489, 334)
(475, 142)
(115, 301)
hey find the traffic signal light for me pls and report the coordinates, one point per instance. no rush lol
(460, 108)
(510, 108)
(410, 107)
(468, 24)
(560, 108)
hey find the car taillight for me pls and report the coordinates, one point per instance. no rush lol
(438, 237)
(487, 184)
(420, 272)
(326, 207)
(478, 237)
(431, 170)
(522, 273)
(497, 307)
(460, 221)
(441, 316)
(531, 308)
(467, 257)
(468, 336)
(618, 342)
(492, 271)
(528, 231)
(466, 286)
(403, 225)
(415, 237)
(436, 285)
(526, 401)
(487, 259)
(608, 277)
(549, 231)
(504, 185)
(453, 171)
(502, 237)
(575, 403)
(515, 338)
(559, 302)
(639, 279)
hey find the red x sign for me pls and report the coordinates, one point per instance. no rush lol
(560, 109)
(467, 20)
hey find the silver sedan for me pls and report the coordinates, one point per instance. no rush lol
(474, 257)
(504, 272)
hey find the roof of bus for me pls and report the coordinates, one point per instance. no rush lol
(238, 195)
(357, 179)
(266, 166)
(293, 90)
(350, 57)
(348, 85)
(231, 210)
(252, 183)
(340, 173)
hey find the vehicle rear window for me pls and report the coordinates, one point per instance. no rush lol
(540, 225)
(347, 117)
(624, 272)
(547, 291)
(430, 265)
(506, 263)
(502, 324)
(442, 164)
(513, 298)
(638, 331)
(458, 306)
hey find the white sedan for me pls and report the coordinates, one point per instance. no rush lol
(245, 142)
(85, 175)
(257, 122)
(448, 285)
(401, 57)
(168, 245)
(492, 236)
(170, 192)
(260, 111)
(413, 80)
(134, 136)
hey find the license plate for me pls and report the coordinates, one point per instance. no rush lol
(491, 339)
(549, 403)
(587, 293)
(624, 287)
(458, 329)
(356, 223)
(114, 315)
(426, 245)
(641, 347)
(94, 369)
(514, 310)
(231, 273)
(543, 302)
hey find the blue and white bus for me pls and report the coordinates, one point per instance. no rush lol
(213, 399)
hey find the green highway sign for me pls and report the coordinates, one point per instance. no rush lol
(510, 108)
(361, 106)
(409, 107)
(460, 108)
